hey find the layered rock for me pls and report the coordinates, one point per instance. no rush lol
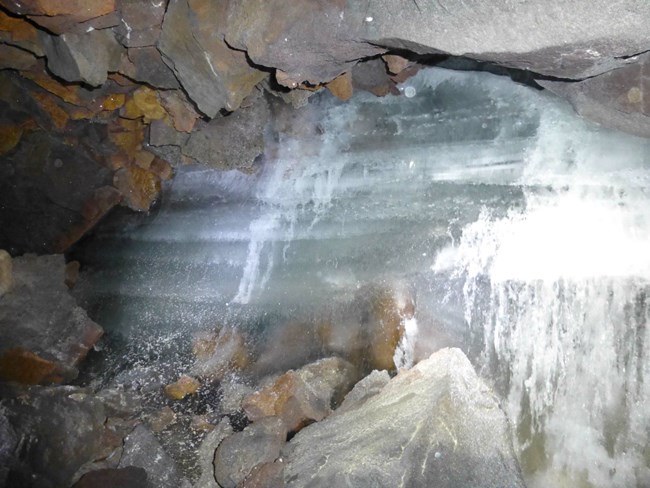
(434, 425)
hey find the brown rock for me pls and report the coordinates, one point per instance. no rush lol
(200, 423)
(266, 475)
(6, 272)
(218, 352)
(180, 110)
(303, 396)
(21, 366)
(20, 33)
(72, 273)
(395, 64)
(341, 87)
(162, 419)
(186, 385)
(140, 187)
(9, 137)
(161, 168)
(59, 16)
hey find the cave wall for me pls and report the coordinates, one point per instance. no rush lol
(101, 99)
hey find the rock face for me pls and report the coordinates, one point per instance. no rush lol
(434, 425)
(303, 396)
(44, 334)
(206, 454)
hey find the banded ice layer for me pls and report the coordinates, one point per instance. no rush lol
(514, 223)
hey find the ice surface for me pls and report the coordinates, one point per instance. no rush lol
(517, 226)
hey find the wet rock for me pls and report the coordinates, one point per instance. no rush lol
(214, 76)
(45, 334)
(119, 402)
(341, 87)
(238, 454)
(206, 454)
(6, 272)
(201, 423)
(232, 141)
(368, 387)
(186, 385)
(86, 57)
(145, 64)
(372, 76)
(395, 64)
(129, 477)
(300, 344)
(436, 424)
(619, 99)
(303, 396)
(61, 429)
(142, 450)
(267, 475)
(219, 352)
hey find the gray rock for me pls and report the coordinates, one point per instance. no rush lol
(232, 141)
(238, 454)
(8, 443)
(39, 315)
(434, 425)
(368, 387)
(130, 477)
(60, 428)
(232, 395)
(118, 402)
(86, 57)
(142, 449)
(206, 454)
(619, 99)
(562, 38)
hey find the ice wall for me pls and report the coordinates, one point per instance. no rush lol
(520, 230)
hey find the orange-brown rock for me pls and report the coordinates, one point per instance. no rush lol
(59, 16)
(182, 114)
(395, 64)
(218, 352)
(385, 330)
(58, 116)
(22, 366)
(303, 396)
(265, 475)
(184, 386)
(6, 272)
(341, 87)
(19, 32)
(9, 137)
(139, 187)
(161, 419)
(162, 168)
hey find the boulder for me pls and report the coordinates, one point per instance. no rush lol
(238, 454)
(142, 450)
(368, 387)
(206, 454)
(303, 396)
(436, 424)
(61, 429)
(267, 475)
(44, 334)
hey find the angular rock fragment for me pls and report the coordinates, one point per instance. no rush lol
(214, 76)
(238, 454)
(436, 424)
(139, 186)
(84, 57)
(186, 385)
(303, 396)
(368, 387)
(44, 334)
(142, 450)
